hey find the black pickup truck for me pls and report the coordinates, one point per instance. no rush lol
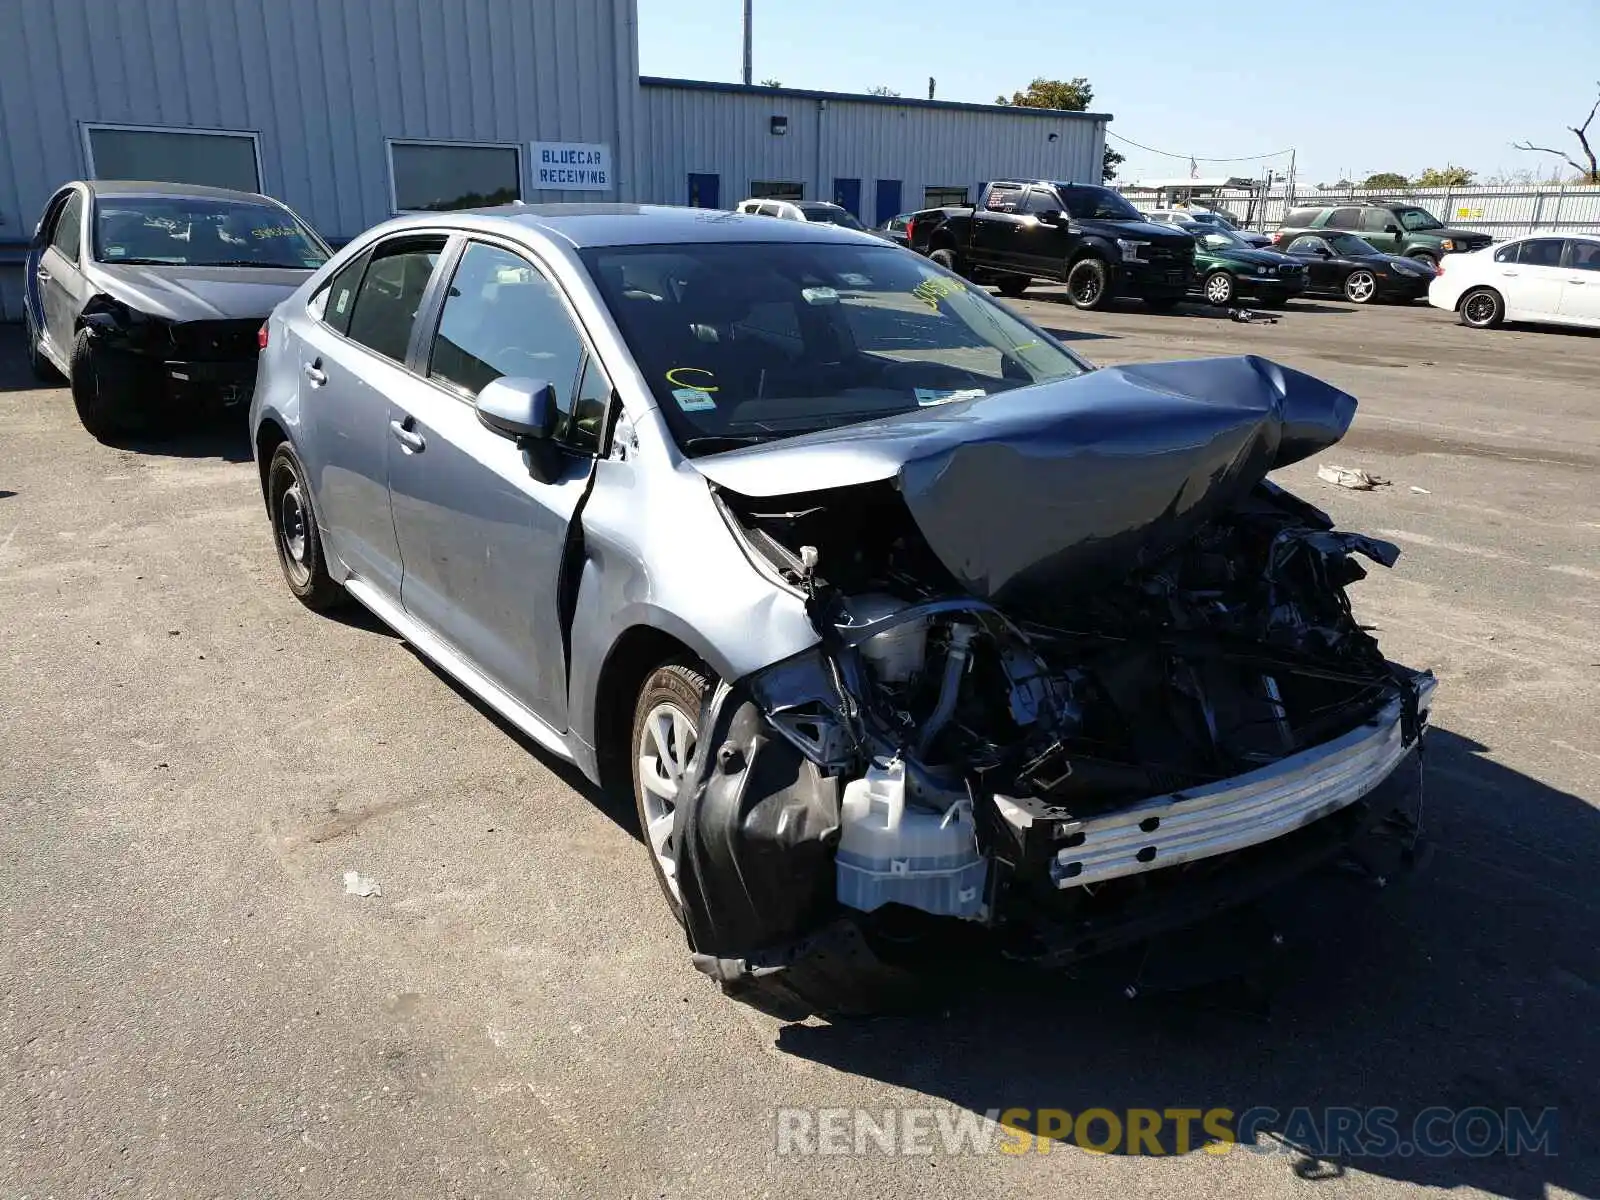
(1087, 237)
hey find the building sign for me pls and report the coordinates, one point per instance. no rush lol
(572, 166)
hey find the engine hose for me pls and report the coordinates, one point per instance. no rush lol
(955, 664)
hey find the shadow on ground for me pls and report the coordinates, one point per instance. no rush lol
(1470, 984)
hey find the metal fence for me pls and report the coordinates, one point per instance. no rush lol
(1502, 212)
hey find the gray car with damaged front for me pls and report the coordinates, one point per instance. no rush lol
(898, 620)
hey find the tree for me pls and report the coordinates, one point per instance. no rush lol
(772, 83)
(882, 89)
(1448, 176)
(1069, 95)
(1386, 179)
(1589, 174)
(1109, 163)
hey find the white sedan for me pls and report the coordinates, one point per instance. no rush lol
(1540, 278)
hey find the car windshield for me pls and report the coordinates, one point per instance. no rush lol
(186, 231)
(1097, 204)
(1349, 244)
(831, 214)
(746, 343)
(1214, 238)
(1417, 218)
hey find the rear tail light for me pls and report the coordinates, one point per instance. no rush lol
(911, 228)
(261, 336)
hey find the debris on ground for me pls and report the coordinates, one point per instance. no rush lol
(1420, 491)
(1249, 316)
(1353, 478)
(357, 884)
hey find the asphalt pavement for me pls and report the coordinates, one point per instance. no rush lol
(192, 1004)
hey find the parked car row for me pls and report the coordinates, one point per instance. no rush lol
(689, 503)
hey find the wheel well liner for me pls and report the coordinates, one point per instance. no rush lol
(639, 650)
(269, 436)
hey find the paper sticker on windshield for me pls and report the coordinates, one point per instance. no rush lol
(693, 399)
(851, 279)
(116, 251)
(927, 397)
(819, 295)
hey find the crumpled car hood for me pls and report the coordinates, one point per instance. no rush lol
(199, 293)
(1048, 488)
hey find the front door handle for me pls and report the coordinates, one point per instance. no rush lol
(42, 275)
(413, 441)
(314, 373)
(1510, 274)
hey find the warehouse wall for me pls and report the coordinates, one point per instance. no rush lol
(323, 83)
(725, 130)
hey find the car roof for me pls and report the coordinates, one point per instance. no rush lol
(150, 187)
(585, 225)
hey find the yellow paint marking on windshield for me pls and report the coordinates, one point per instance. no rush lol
(275, 231)
(672, 378)
(931, 291)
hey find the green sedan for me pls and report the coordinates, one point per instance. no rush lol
(1227, 267)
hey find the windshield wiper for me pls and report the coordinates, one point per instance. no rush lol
(712, 443)
(251, 262)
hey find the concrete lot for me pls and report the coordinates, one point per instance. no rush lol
(190, 1004)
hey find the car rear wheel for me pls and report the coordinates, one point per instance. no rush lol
(1360, 287)
(108, 388)
(947, 259)
(1219, 288)
(1089, 284)
(294, 530)
(1012, 285)
(1482, 308)
(1428, 260)
(40, 367)
(666, 724)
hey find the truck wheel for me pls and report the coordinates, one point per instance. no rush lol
(1219, 289)
(947, 259)
(1012, 285)
(106, 389)
(1089, 284)
(1428, 260)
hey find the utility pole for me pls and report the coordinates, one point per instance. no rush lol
(932, 83)
(748, 17)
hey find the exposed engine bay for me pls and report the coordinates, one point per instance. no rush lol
(1032, 760)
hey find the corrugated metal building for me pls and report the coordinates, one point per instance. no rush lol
(714, 144)
(352, 110)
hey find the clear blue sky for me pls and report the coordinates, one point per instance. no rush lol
(1356, 86)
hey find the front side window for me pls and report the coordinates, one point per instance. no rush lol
(1098, 204)
(1308, 245)
(69, 227)
(1541, 252)
(225, 160)
(1375, 220)
(1344, 218)
(1413, 219)
(1351, 246)
(1041, 200)
(753, 342)
(435, 177)
(386, 303)
(186, 231)
(503, 317)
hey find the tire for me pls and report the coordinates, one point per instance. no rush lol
(1481, 308)
(107, 389)
(1088, 284)
(947, 259)
(295, 534)
(40, 367)
(1012, 285)
(1162, 303)
(666, 721)
(1219, 289)
(1360, 287)
(1426, 259)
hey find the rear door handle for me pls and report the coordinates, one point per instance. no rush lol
(314, 373)
(42, 275)
(413, 441)
(1510, 273)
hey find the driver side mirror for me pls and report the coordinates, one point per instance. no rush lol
(1052, 216)
(519, 409)
(1391, 229)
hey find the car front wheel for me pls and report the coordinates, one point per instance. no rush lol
(108, 389)
(1360, 287)
(294, 530)
(1219, 288)
(666, 724)
(1482, 308)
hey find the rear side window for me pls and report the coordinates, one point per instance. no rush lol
(1344, 218)
(1004, 199)
(1541, 252)
(502, 317)
(69, 229)
(386, 303)
(1508, 254)
(1301, 218)
(333, 304)
(1308, 244)
(1585, 256)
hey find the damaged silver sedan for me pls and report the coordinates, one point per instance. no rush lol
(901, 622)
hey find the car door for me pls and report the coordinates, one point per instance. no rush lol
(995, 226)
(1379, 229)
(1532, 285)
(1580, 293)
(351, 361)
(482, 537)
(1041, 237)
(1324, 271)
(62, 287)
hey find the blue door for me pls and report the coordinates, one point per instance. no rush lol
(888, 200)
(847, 195)
(705, 191)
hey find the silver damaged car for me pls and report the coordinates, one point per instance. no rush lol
(900, 622)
